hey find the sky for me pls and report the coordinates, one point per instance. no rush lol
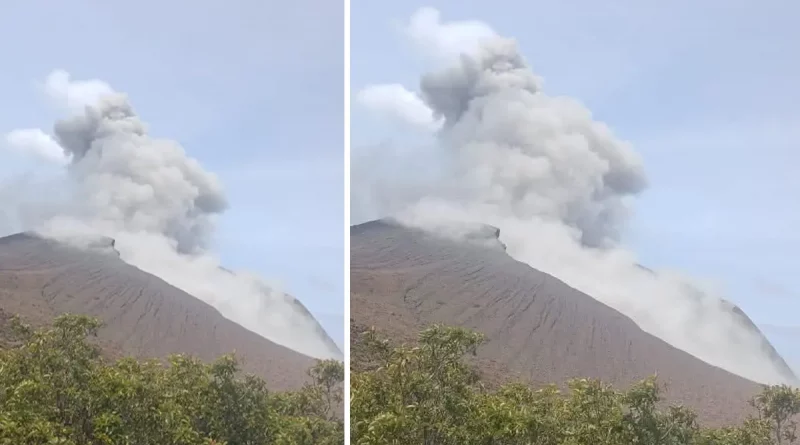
(706, 91)
(253, 90)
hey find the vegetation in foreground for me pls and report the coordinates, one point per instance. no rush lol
(426, 394)
(55, 388)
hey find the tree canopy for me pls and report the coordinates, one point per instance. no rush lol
(56, 388)
(427, 394)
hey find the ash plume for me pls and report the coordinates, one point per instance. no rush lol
(559, 186)
(525, 154)
(130, 182)
(158, 204)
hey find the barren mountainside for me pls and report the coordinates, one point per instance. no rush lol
(144, 316)
(538, 328)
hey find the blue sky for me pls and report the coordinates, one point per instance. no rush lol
(253, 90)
(707, 93)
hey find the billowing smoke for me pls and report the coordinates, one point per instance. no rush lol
(129, 182)
(559, 185)
(158, 203)
(525, 154)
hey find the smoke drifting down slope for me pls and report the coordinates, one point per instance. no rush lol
(558, 185)
(160, 206)
(144, 316)
(539, 330)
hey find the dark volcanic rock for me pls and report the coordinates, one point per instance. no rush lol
(144, 316)
(538, 328)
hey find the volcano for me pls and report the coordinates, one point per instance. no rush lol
(538, 328)
(144, 316)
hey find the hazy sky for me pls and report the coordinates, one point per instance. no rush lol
(251, 89)
(705, 90)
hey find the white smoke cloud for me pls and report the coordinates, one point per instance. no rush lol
(443, 41)
(160, 205)
(74, 95)
(440, 42)
(37, 143)
(559, 186)
(395, 101)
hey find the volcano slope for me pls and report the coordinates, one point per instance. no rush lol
(144, 316)
(538, 329)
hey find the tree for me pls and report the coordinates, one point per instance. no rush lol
(427, 394)
(778, 405)
(421, 395)
(56, 388)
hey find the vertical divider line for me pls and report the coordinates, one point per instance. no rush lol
(346, 271)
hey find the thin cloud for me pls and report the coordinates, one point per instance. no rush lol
(38, 144)
(443, 41)
(396, 102)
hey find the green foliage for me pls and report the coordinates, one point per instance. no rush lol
(426, 394)
(55, 388)
(778, 405)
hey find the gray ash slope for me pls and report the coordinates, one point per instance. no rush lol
(538, 328)
(144, 316)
